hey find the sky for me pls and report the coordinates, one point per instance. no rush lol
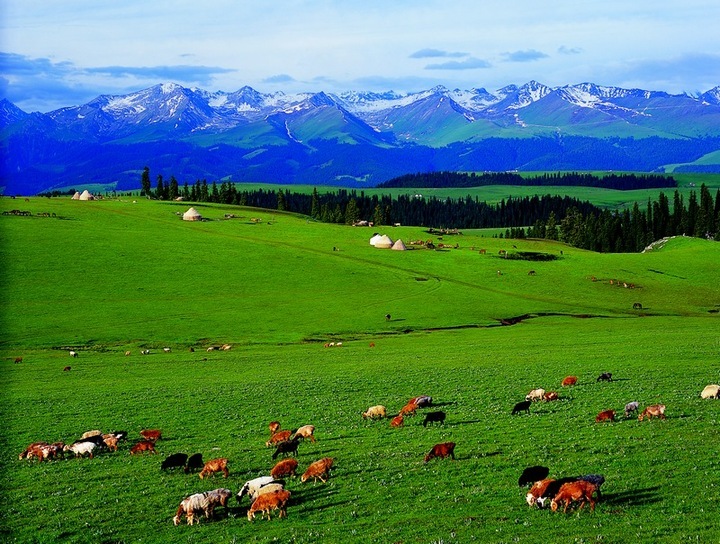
(58, 53)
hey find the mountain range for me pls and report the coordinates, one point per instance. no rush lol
(353, 138)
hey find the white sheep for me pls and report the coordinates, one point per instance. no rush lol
(631, 407)
(88, 434)
(535, 394)
(711, 392)
(378, 411)
(251, 487)
(190, 506)
(82, 448)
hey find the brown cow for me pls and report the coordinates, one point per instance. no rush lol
(213, 466)
(441, 451)
(607, 415)
(145, 445)
(580, 491)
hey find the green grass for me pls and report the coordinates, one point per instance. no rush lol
(106, 277)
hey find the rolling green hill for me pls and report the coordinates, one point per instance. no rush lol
(112, 276)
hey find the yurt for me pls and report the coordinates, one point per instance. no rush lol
(76, 196)
(384, 242)
(86, 195)
(399, 245)
(192, 215)
(375, 239)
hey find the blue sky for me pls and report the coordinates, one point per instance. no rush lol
(56, 53)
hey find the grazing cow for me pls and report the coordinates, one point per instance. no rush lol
(252, 487)
(195, 462)
(711, 391)
(568, 381)
(319, 470)
(82, 448)
(550, 396)
(176, 460)
(213, 466)
(144, 445)
(151, 434)
(397, 421)
(274, 427)
(631, 407)
(280, 436)
(523, 406)
(408, 410)
(579, 491)
(656, 410)
(286, 448)
(607, 415)
(637, 306)
(268, 502)
(375, 412)
(535, 394)
(441, 451)
(73, 353)
(306, 431)
(67, 369)
(597, 480)
(18, 359)
(286, 467)
(604, 377)
(533, 474)
(432, 417)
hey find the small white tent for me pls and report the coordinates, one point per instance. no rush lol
(375, 239)
(86, 195)
(192, 215)
(384, 242)
(76, 196)
(399, 245)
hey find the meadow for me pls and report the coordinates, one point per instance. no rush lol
(112, 276)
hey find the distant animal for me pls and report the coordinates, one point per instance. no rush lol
(375, 412)
(372, 344)
(533, 474)
(286, 448)
(596, 479)
(111, 441)
(577, 491)
(191, 349)
(387, 317)
(145, 352)
(151, 434)
(531, 272)
(120, 435)
(631, 407)
(18, 359)
(523, 406)
(176, 460)
(397, 421)
(251, 487)
(31, 448)
(144, 445)
(96, 439)
(637, 306)
(274, 427)
(73, 353)
(570, 380)
(166, 350)
(213, 466)
(408, 410)
(606, 415)
(656, 410)
(539, 491)
(711, 391)
(89, 434)
(550, 396)
(535, 394)
(217, 497)
(67, 369)
(195, 462)
(305, 432)
(82, 448)
(280, 436)
(604, 377)
(286, 467)
(191, 507)
(441, 451)
(319, 470)
(127, 353)
(422, 401)
(268, 502)
(433, 417)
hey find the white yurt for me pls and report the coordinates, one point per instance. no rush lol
(384, 242)
(76, 196)
(399, 245)
(192, 215)
(374, 239)
(86, 195)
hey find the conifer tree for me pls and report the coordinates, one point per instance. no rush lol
(145, 182)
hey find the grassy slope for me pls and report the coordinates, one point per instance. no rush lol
(110, 276)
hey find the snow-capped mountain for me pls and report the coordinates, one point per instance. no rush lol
(279, 134)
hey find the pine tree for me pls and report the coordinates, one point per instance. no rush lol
(551, 229)
(145, 182)
(160, 190)
(173, 190)
(315, 204)
(281, 206)
(352, 212)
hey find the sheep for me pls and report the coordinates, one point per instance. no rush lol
(432, 417)
(631, 407)
(523, 406)
(151, 434)
(537, 491)
(375, 412)
(535, 394)
(656, 410)
(195, 462)
(73, 353)
(408, 410)
(579, 490)
(280, 436)
(270, 501)
(67, 369)
(551, 489)
(190, 506)
(397, 421)
(127, 353)
(286, 467)
(710, 392)
(251, 487)
(306, 431)
(550, 396)
(287, 447)
(96, 439)
(422, 401)
(597, 480)
(215, 465)
(533, 474)
(82, 448)
(218, 497)
(145, 352)
(43, 450)
(604, 377)
(318, 470)
(274, 427)
(111, 441)
(441, 451)
(120, 435)
(570, 380)
(176, 460)
(606, 415)
(166, 350)
(30, 448)
(143, 445)
(89, 434)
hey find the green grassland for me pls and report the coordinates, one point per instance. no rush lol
(109, 276)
